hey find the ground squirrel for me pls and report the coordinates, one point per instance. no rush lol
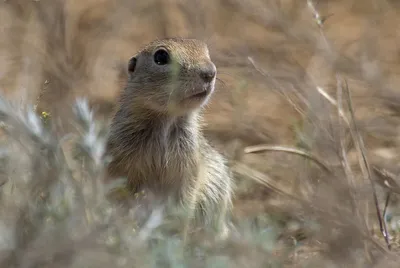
(155, 138)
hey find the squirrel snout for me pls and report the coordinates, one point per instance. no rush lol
(208, 72)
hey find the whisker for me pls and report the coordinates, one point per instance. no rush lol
(221, 81)
(226, 73)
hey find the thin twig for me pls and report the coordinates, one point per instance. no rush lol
(259, 177)
(386, 179)
(334, 103)
(343, 155)
(277, 148)
(281, 90)
(346, 166)
(386, 205)
(365, 168)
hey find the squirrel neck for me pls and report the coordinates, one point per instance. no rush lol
(135, 119)
(135, 126)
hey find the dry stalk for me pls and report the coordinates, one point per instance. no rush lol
(365, 168)
(278, 148)
(355, 134)
(245, 171)
(280, 88)
(387, 180)
(343, 155)
(345, 163)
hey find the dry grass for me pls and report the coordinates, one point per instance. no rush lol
(306, 110)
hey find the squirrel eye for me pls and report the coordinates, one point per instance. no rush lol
(161, 57)
(132, 65)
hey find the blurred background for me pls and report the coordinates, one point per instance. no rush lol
(283, 66)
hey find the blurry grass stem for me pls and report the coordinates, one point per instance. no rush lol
(387, 180)
(277, 148)
(356, 136)
(365, 167)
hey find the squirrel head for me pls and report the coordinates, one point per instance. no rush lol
(173, 76)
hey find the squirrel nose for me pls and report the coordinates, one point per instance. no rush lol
(208, 73)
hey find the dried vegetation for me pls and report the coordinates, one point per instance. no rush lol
(306, 110)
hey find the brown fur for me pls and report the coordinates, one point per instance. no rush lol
(155, 137)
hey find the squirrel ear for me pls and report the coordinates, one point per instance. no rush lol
(132, 65)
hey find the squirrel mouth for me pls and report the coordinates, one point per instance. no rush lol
(199, 95)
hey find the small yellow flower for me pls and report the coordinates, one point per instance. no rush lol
(45, 116)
